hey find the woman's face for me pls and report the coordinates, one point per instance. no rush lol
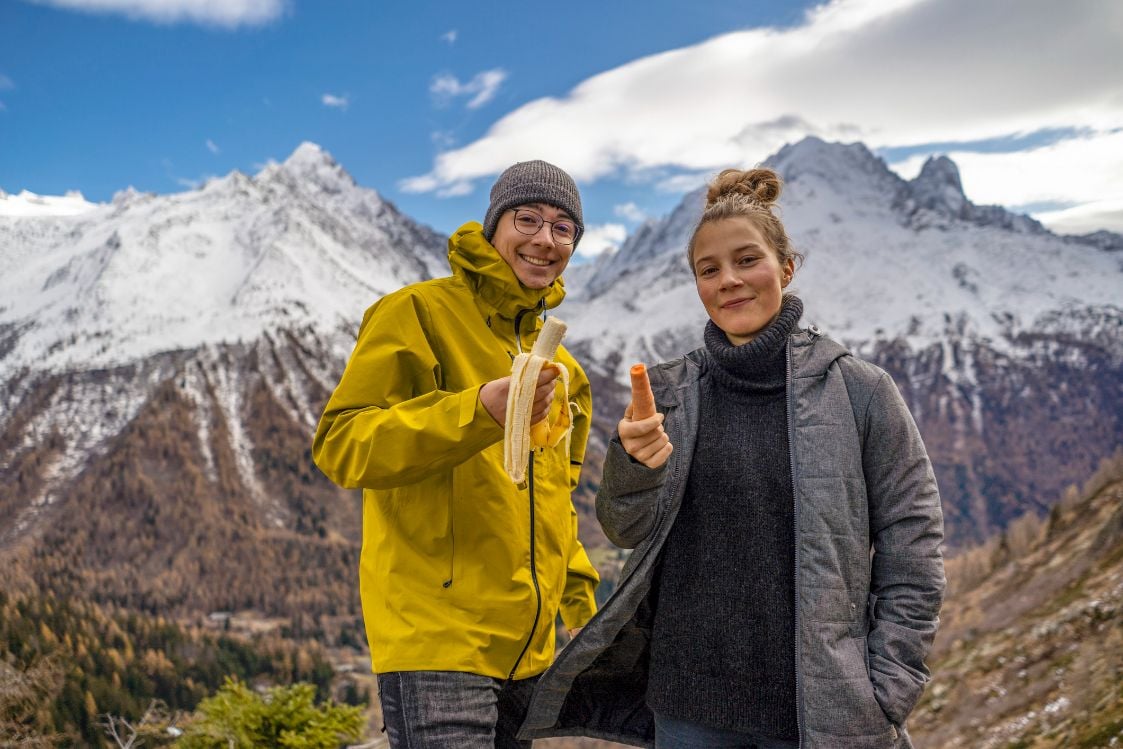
(739, 276)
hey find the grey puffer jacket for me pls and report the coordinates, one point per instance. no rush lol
(864, 622)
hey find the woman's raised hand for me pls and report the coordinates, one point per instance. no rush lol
(641, 429)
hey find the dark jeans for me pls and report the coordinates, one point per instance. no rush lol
(671, 733)
(453, 710)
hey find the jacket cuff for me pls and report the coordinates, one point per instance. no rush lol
(471, 410)
(896, 691)
(578, 612)
(628, 475)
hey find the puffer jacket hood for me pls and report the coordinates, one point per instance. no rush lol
(476, 261)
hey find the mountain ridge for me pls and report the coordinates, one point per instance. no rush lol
(238, 256)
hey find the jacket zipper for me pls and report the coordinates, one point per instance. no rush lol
(533, 573)
(452, 540)
(795, 533)
(530, 486)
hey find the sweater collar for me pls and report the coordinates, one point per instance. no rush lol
(760, 362)
(480, 265)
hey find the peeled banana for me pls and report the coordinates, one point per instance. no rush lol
(519, 435)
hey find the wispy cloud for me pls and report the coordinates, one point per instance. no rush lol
(482, 88)
(450, 36)
(194, 184)
(336, 102)
(601, 237)
(211, 146)
(892, 73)
(170, 171)
(443, 139)
(630, 212)
(685, 182)
(223, 13)
(1087, 218)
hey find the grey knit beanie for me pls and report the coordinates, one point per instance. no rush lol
(532, 182)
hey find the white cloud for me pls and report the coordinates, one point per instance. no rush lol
(224, 13)
(597, 239)
(211, 146)
(3, 107)
(1082, 169)
(630, 212)
(891, 73)
(336, 102)
(424, 183)
(450, 36)
(482, 88)
(454, 190)
(684, 182)
(6, 83)
(1083, 219)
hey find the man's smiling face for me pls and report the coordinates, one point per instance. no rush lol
(536, 259)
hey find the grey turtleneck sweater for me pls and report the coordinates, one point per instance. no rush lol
(723, 645)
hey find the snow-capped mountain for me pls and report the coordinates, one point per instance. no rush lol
(298, 244)
(182, 346)
(884, 259)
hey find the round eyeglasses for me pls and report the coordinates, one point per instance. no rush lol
(564, 231)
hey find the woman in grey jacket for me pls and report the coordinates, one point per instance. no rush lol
(786, 575)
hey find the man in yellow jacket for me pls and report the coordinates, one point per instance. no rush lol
(463, 573)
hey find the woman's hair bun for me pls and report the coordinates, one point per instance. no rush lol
(760, 185)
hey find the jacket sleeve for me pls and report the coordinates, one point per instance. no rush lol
(389, 423)
(906, 526)
(628, 497)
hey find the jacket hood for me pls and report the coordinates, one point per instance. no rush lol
(479, 264)
(813, 353)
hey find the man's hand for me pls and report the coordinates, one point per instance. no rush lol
(645, 439)
(494, 396)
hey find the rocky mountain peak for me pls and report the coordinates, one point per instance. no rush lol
(836, 163)
(311, 168)
(938, 186)
(310, 157)
(935, 199)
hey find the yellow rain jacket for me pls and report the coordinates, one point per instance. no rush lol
(461, 569)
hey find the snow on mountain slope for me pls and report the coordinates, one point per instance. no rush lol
(27, 203)
(299, 243)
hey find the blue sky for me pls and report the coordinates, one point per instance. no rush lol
(427, 101)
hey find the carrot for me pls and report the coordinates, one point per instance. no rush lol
(643, 400)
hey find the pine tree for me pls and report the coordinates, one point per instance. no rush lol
(238, 717)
